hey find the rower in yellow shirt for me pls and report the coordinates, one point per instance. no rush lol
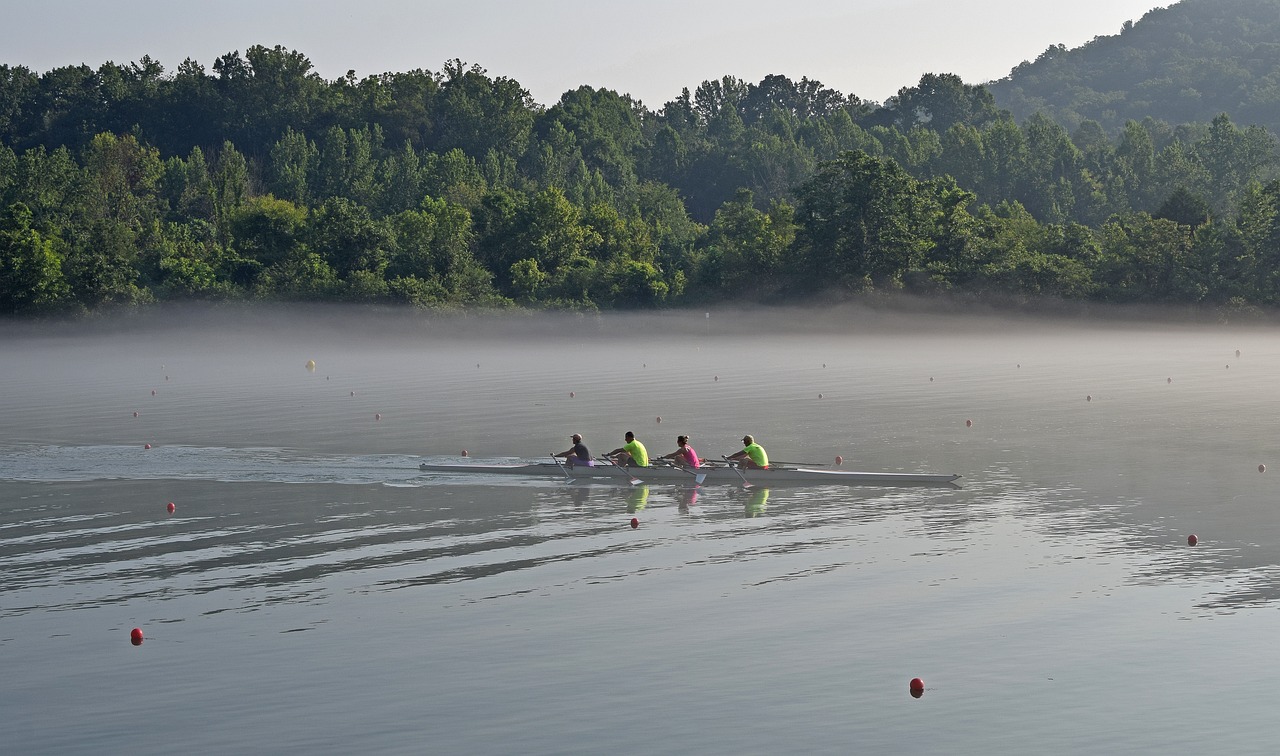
(752, 455)
(630, 454)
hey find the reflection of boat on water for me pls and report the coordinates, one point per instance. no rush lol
(713, 474)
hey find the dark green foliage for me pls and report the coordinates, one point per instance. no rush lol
(258, 178)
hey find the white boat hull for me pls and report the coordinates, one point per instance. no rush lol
(718, 474)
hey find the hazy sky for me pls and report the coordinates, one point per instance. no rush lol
(649, 50)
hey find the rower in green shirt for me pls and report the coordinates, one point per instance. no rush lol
(752, 455)
(632, 453)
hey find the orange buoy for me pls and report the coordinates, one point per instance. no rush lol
(171, 507)
(635, 522)
(916, 687)
(135, 636)
(839, 460)
(1192, 540)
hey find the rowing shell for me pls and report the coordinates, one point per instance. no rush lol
(718, 474)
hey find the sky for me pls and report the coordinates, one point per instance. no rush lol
(650, 49)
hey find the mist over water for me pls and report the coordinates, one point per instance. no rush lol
(313, 591)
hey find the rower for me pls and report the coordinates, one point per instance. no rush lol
(632, 453)
(685, 456)
(577, 454)
(752, 454)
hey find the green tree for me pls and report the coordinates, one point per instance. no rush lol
(30, 268)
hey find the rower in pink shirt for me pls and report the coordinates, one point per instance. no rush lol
(685, 456)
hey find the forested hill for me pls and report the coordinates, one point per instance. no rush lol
(1188, 62)
(258, 179)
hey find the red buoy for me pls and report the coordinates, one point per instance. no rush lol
(1089, 398)
(135, 636)
(968, 423)
(917, 687)
(1192, 540)
(146, 446)
(377, 416)
(153, 392)
(1262, 468)
(465, 453)
(135, 414)
(171, 507)
(839, 460)
(819, 396)
(635, 522)
(571, 394)
(659, 418)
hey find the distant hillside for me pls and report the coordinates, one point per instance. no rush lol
(1184, 63)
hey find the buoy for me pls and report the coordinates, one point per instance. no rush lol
(930, 379)
(166, 377)
(135, 414)
(571, 394)
(968, 423)
(1168, 380)
(916, 687)
(146, 446)
(819, 396)
(635, 522)
(824, 364)
(1089, 398)
(1237, 353)
(1262, 468)
(377, 416)
(135, 636)
(153, 392)
(465, 453)
(839, 460)
(311, 366)
(717, 377)
(1192, 540)
(353, 393)
(171, 507)
(659, 418)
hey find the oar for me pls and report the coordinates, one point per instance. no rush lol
(745, 482)
(562, 468)
(634, 479)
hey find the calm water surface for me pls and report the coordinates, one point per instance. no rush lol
(314, 592)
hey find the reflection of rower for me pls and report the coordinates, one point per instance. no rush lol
(758, 503)
(690, 499)
(638, 499)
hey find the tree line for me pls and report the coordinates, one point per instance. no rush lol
(259, 179)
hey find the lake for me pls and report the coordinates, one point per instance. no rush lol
(314, 592)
